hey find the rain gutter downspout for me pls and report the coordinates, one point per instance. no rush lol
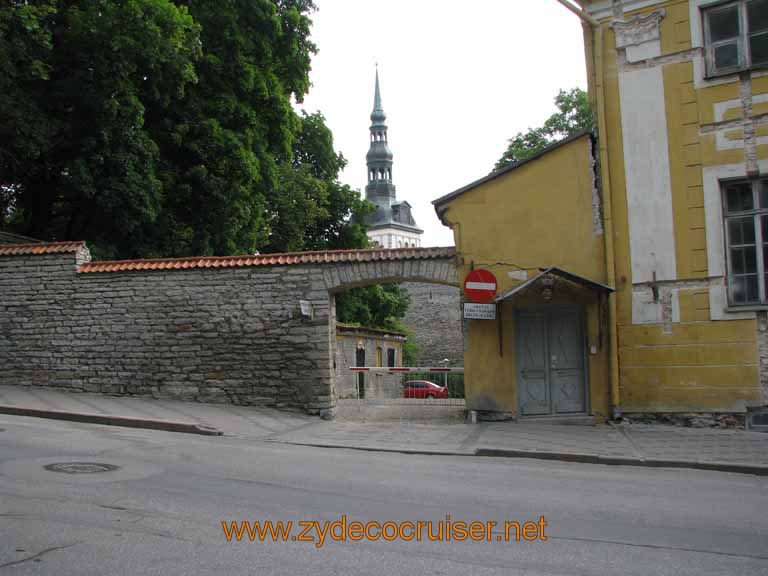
(605, 181)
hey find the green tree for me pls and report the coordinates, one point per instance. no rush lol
(380, 306)
(573, 115)
(222, 148)
(411, 349)
(309, 209)
(156, 127)
(76, 83)
(165, 128)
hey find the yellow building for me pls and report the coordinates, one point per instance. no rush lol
(672, 215)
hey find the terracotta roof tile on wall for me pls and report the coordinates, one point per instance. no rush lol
(40, 248)
(327, 256)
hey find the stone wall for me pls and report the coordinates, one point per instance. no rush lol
(220, 335)
(220, 330)
(435, 317)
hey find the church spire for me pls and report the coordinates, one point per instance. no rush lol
(392, 224)
(378, 112)
(379, 157)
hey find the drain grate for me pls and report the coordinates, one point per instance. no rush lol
(81, 467)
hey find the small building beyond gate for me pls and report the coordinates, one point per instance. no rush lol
(359, 345)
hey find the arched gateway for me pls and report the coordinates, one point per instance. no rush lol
(243, 329)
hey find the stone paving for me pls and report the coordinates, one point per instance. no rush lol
(540, 437)
(395, 430)
(247, 421)
(675, 443)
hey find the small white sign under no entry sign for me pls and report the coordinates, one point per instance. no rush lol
(479, 311)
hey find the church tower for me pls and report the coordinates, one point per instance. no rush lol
(392, 225)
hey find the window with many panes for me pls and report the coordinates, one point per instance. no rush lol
(745, 205)
(736, 36)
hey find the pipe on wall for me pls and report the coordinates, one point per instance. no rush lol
(594, 31)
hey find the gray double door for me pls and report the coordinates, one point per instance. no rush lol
(550, 362)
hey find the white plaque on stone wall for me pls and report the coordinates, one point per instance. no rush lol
(474, 311)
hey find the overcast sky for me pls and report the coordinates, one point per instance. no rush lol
(457, 80)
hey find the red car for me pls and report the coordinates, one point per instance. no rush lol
(423, 389)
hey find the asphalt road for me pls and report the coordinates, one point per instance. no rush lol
(161, 511)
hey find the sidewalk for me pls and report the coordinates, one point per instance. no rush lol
(636, 445)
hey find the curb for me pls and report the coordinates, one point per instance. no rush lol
(108, 420)
(557, 456)
(409, 451)
(623, 461)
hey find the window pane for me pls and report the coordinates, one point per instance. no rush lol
(737, 261)
(758, 44)
(726, 56)
(752, 290)
(764, 195)
(734, 231)
(744, 289)
(765, 256)
(724, 24)
(750, 260)
(765, 280)
(747, 230)
(739, 197)
(738, 290)
(743, 261)
(757, 15)
(741, 231)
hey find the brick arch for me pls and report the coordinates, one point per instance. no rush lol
(382, 266)
(370, 267)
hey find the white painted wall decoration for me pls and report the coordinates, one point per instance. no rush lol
(721, 141)
(395, 238)
(646, 152)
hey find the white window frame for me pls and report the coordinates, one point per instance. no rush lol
(742, 41)
(756, 213)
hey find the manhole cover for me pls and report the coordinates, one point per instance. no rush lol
(81, 467)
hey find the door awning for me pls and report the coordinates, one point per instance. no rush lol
(554, 271)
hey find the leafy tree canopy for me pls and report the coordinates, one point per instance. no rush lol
(375, 306)
(573, 115)
(379, 307)
(162, 127)
(165, 128)
(309, 209)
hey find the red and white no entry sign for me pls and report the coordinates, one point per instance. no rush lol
(480, 286)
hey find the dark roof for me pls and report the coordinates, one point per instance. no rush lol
(501, 172)
(395, 215)
(569, 276)
(353, 328)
